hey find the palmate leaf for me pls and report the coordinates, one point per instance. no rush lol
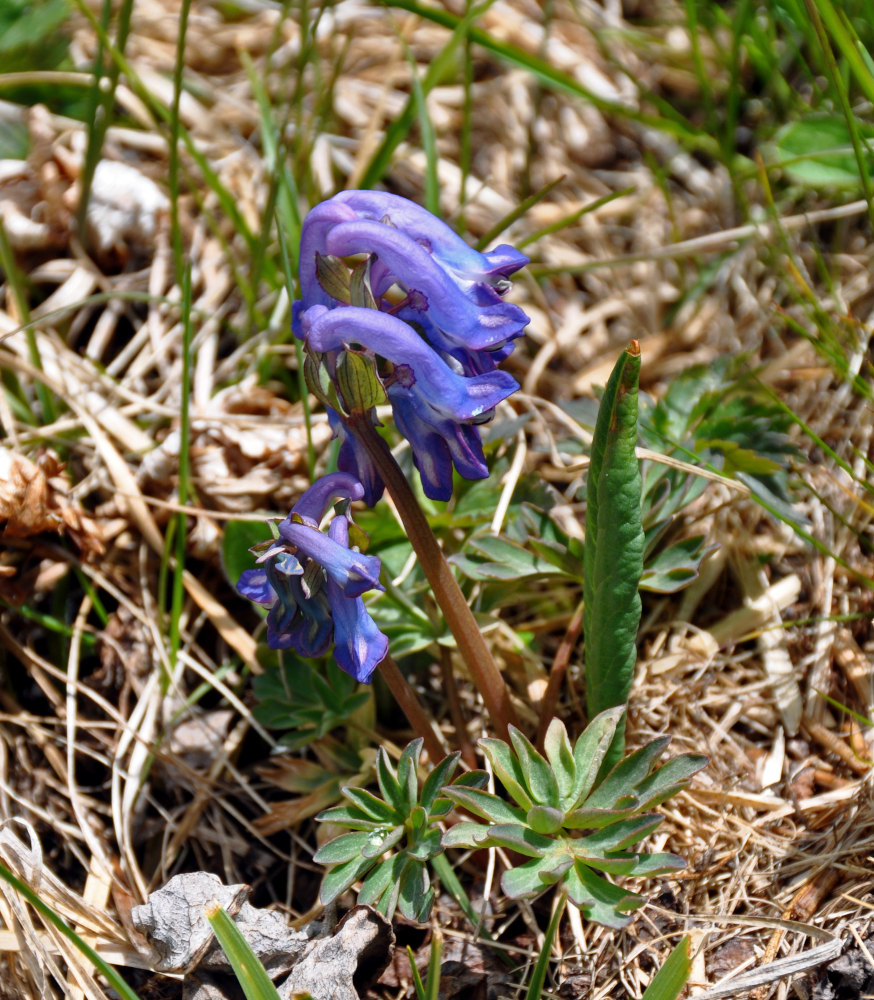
(591, 833)
(395, 837)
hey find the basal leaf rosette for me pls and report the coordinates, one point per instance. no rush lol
(575, 825)
(392, 835)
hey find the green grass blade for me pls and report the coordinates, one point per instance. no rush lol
(669, 121)
(569, 220)
(440, 68)
(102, 101)
(613, 553)
(106, 970)
(668, 982)
(517, 213)
(430, 989)
(842, 33)
(538, 976)
(250, 973)
(15, 281)
(181, 531)
(429, 140)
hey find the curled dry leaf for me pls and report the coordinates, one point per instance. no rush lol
(34, 499)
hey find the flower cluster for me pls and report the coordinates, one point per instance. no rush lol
(312, 582)
(427, 310)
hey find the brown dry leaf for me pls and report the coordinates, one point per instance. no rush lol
(33, 501)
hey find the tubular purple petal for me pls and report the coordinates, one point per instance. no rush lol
(318, 223)
(434, 235)
(415, 268)
(359, 645)
(351, 570)
(325, 491)
(450, 394)
(254, 585)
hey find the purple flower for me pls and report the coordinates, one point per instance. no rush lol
(438, 331)
(312, 582)
(433, 405)
(454, 291)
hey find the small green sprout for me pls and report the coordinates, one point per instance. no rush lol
(393, 837)
(574, 823)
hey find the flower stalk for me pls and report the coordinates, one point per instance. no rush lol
(447, 593)
(410, 705)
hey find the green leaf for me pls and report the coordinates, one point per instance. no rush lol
(545, 819)
(661, 863)
(388, 783)
(533, 877)
(415, 895)
(251, 974)
(519, 838)
(354, 818)
(590, 751)
(539, 779)
(675, 566)
(466, 834)
(560, 755)
(618, 836)
(507, 770)
(372, 806)
(502, 560)
(668, 982)
(238, 538)
(669, 779)
(485, 805)
(381, 841)
(599, 899)
(339, 879)
(380, 878)
(408, 777)
(437, 779)
(818, 151)
(597, 819)
(342, 849)
(626, 775)
(613, 554)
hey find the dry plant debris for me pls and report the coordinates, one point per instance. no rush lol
(97, 760)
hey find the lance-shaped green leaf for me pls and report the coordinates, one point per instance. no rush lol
(507, 770)
(600, 900)
(613, 554)
(485, 805)
(534, 876)
(560, 755)
(670, 778)
(618, 836)
(539, 779)
(624, 777)
(591, 749)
